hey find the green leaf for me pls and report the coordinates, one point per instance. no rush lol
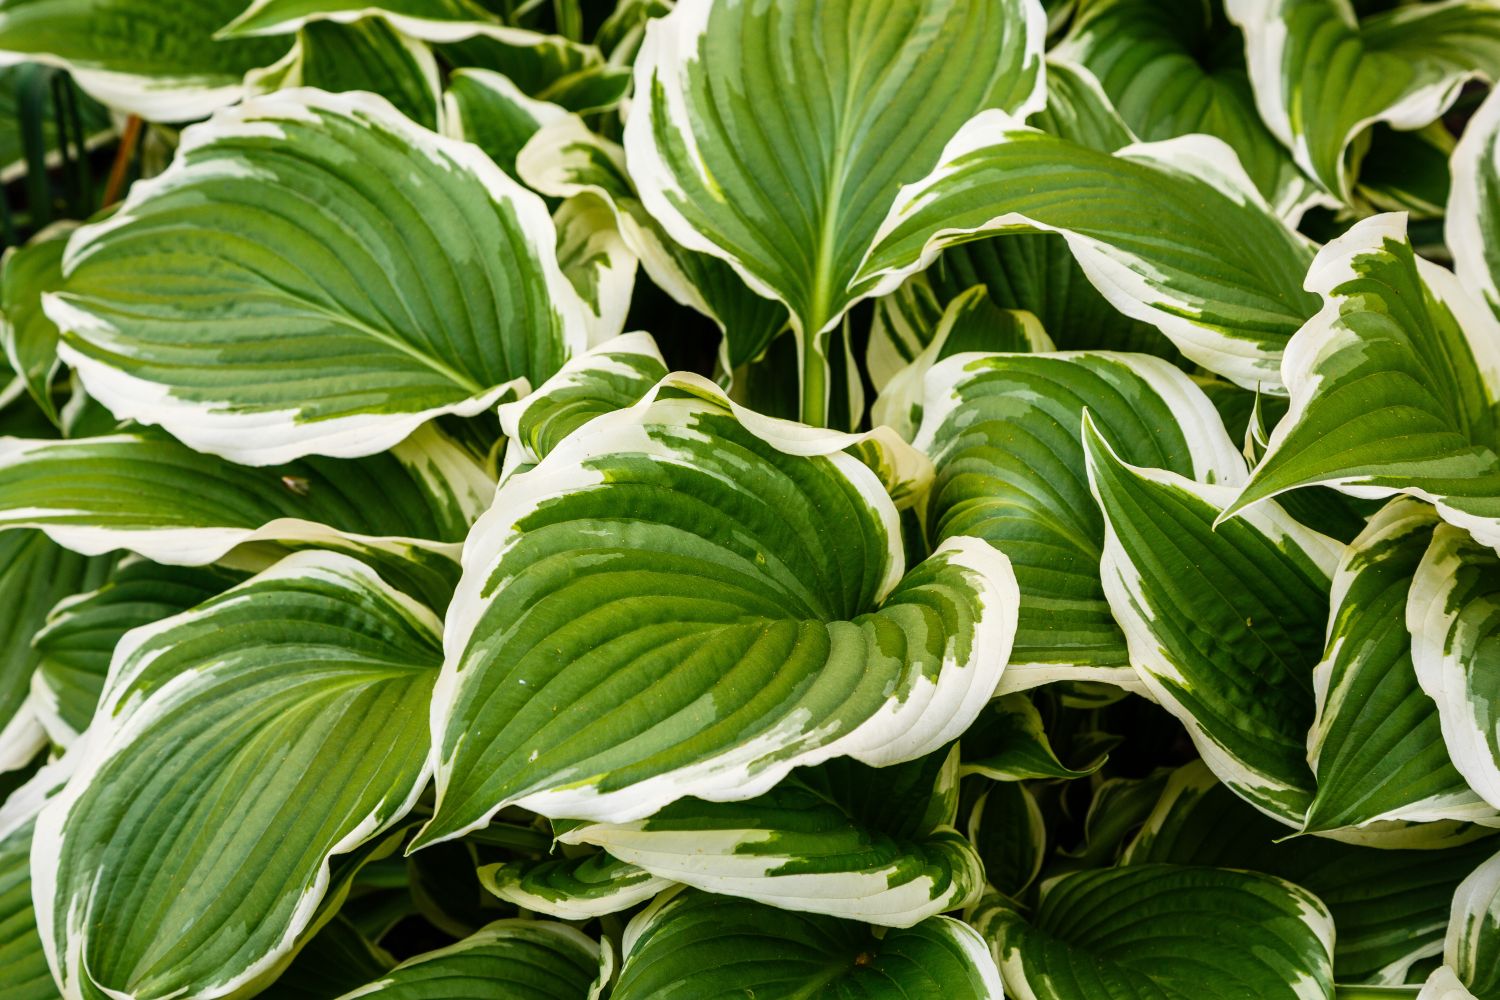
(1321, 76)
(315, 274)
(824, 840)
(153, 58)
(429, 20)
(1008, 743)
(1376, 746)
(24, 974)
(596, 261)
(132, 491)
(1472, 948)
(534, 959)
(1224, 289)
(1164, 932)
(1224, 626)
(1390, 906)
(34, 575)
(1175, 68)
(565, 160)
(487, 109)
(690, 600)
(1473, 217)
(1393, 385)
(81, 631)
(307, 684)
(1451, 614)
(16, 89)
(572, 888)
(1003, 432)
(1010, 834)
(336, 959)
(879, 90)
(1079, 110)
(691, 944)
(363, 55)
(546, 67)
(28, 336)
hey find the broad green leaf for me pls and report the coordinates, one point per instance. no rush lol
(34, 575)
(1453, 614)
(841, 839)
(509, 960)
(1010, 834)
(307, 684)
(154, 58)
(1176, 67)
(79, 637)
(613, 376)
(1003, 432)
(1079, 110)
(1473, 222)
(971, 322)
(1393, 385)
(691, 944)
(572, 888)
(1008, 743)
(487, 109)
(690, 600)
(878, 91)
(429, 20)
(24, 974)
(1472, 948)
(1164, 932)
(146, 492)
(315, 274)
(1390, 906)
(1224, 288)
(1376, 745)
(364, 55)
(1223, 626)
(28, 336)
(1321, 76)
(546, 67)
(565, 160)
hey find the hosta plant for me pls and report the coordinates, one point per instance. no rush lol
(940, 499)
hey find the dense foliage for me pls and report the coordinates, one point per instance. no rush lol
(937, 499)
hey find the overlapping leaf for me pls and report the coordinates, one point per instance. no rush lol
(573, 888)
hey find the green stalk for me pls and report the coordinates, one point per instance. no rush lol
(814, 384)
(1375, 992)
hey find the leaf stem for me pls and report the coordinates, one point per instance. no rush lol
(1375, 992)
(814, 384)
(129, 136)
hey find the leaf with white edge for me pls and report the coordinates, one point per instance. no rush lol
(307, 683)
(365, 55)
(1472, 947)
(566, 160)
(1164, 932)
(1175, 68)
(429, 20)
(593, 255)
(148, 493)
(487, 109)
(34, 575)
(1390, 905)
(1376, 746)
(841, 839)
(1118, 807)
(520, 959)
(691, 599)
(336, 959)
(249, 301)
(546, 67)
(1473, 216)
(1223, 626)
(1009, 743)
(1079, 110)
(971, 322)
(1224, 289)
(1443, 984)
(1003, 432)
(1393, 385)
(29, 338)
(613, 376)
(24, 974)
(1006, 827)
(79, 637)
(879, 91)
(690, 944)
(1321, 76)
(1453, 614)
(153, 58)
(572, 888)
